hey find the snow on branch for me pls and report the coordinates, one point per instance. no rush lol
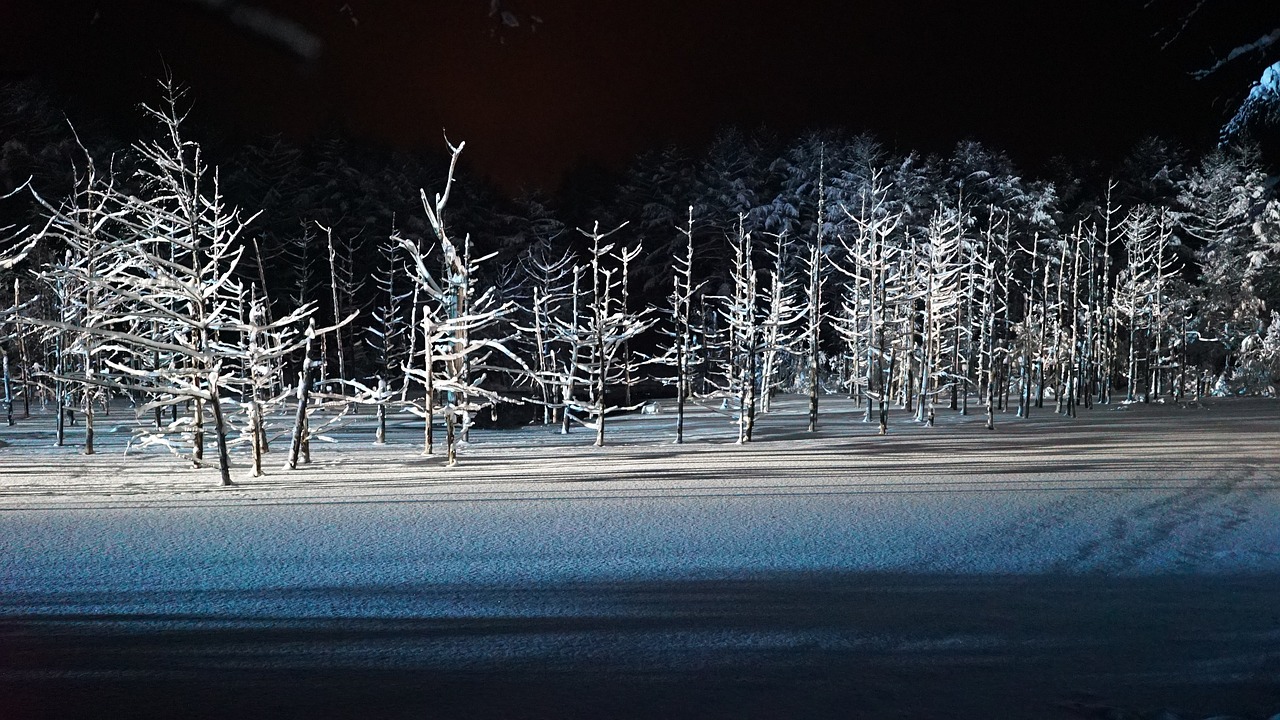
(1257, 46)
(1262, 102)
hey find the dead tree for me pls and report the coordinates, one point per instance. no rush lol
(454, 317)
(551, 280)
(682, 345)
(389, 334)
(604, 334)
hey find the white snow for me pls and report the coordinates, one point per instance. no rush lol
(1133, 554)
(1153, 490)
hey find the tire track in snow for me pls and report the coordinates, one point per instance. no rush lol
(1028, 532)
(1229, 519)
(1179, 530)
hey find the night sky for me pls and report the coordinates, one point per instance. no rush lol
(556, 83)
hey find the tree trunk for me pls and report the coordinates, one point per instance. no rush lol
(747, 413)
(429, 411)
(451, 438)
(88, 422)
(61, 437)
(884, 390)
(380, 436)
(219, 428)
(991, 401)
(8, 389)
(873, 378)
(257, 434)
(199, 431)
(300, 418)
(682, 382)
(813, 381)
(600, 387)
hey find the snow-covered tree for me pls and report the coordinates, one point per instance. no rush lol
(683, 346)
(388, 335)
(344, 286)
(1140, 296)
(939, 272)
(778, 324)
(14, 357)
(84, 227)
(603, 333)
(264, 345)
(549, 278)
(814, 311)
(742, 319)
(149, 300)
(452, 316)
(871, 288)
(1218, 202)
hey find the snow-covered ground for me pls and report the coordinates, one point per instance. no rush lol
(1130, 556)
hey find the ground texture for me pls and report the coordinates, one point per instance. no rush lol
(1123, 561)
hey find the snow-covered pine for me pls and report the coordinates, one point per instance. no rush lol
(1218, 203)
(298, 253)
(1262, 102)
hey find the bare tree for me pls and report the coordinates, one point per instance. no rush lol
(778, 336)
(551, 278)
(683, 345)
(870, 288)
(264, 345)
(453, 316)
(604, 332)
(940, 269)
(389, 334)
(741, 315)
(84, 227)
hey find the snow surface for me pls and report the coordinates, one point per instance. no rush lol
(1132, 552)
(1125, 489)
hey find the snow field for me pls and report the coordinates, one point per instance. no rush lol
(1128, 490)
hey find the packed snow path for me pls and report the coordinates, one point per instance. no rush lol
(1131, 556)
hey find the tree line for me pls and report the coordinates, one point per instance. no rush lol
(263, 304)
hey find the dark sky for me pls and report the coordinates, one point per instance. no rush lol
(602, 79)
